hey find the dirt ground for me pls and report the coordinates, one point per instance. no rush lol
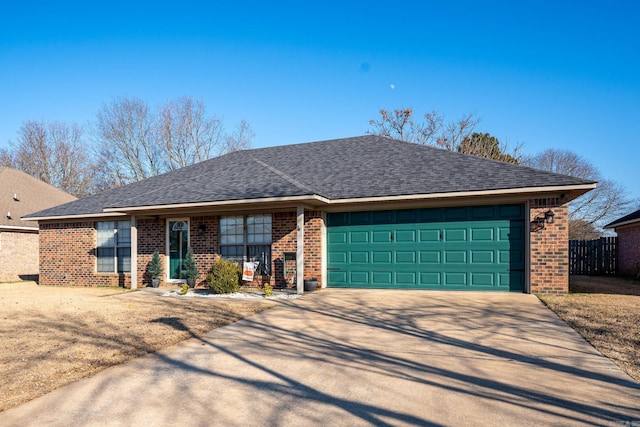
(52, 336)
(606, 312)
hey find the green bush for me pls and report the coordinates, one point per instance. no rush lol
(190, 266)
(155, 266)
(224, 276)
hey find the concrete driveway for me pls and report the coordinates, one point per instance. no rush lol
(361, 357)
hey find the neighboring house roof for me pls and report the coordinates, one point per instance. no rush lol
(625, 220)
(21, 194)
(339, 170)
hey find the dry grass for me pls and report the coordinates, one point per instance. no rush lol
(50, 337)
(606, 312)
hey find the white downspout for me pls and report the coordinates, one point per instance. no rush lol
(300, 251)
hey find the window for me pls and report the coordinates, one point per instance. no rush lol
(114, 246)
(247, 238)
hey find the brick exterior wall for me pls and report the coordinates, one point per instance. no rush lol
(313, 246)
(549, 248)
(628, 249)
(68, 256)
(283, 235)
(68, 250)
(18, 256)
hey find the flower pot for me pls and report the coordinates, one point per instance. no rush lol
(191, 282)
(155, 282)
(310, 285)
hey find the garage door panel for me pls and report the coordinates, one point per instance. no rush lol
(430, 257)
(429, 235)
(482, 257)
(455, 257)
(359, 257)
(381, 257)
(455, 235)
(381, 236)
(406, 257)
(432, 279)
(359, 277)
(381, 278)
(405, 236)
(483, 279)
(474, 248)
(337, 257)
(483, 235)
(336, 237)
(455, 279)
(406, 278)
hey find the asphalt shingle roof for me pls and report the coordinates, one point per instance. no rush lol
(632, 217)
(358, 167)
(32, 194)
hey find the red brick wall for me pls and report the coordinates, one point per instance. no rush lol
(549, 248)
(313, 246)
(283, 235)
(68, 256)
(18, 256)
(628, 249)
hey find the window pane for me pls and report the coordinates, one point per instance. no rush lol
(124, 233)
(105, 260)
(106, 234)
(258, 229)
(231, 230)
(124, 260)
(232, 252)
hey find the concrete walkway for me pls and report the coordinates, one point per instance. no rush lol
(361, 357)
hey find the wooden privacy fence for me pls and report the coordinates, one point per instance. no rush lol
(593, 257)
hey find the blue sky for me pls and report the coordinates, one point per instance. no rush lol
(548, 74)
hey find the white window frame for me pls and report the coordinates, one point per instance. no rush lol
(245, 238)
(115, 246)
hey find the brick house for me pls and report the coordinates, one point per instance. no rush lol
(358, 212)
(21, 194)
(628, 230)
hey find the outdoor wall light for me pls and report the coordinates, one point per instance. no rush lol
(202, 228)
(548, 216)
(541, 219)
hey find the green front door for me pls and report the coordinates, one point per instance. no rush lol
(465, 248)
(178, 245)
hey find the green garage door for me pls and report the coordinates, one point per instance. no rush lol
(465, 248)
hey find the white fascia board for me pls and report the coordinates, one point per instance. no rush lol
(78, 216)
(621, 224)
(297, 199)
(460, 194)
(18, 228)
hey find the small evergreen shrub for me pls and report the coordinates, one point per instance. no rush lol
(224, 276)
(190, 266)
(184, 289)
(155, 266)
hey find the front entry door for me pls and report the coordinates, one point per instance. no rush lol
(178, 245)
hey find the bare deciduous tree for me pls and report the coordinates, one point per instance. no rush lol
(55, 153)
(128, 149)
(186, 135)
(457, 135)
(136, 142)
(588, 213)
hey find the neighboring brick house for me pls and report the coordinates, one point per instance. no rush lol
(374, 212)
(628, 230)
(21, 194)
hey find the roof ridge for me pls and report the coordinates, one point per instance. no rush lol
(290, 179)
